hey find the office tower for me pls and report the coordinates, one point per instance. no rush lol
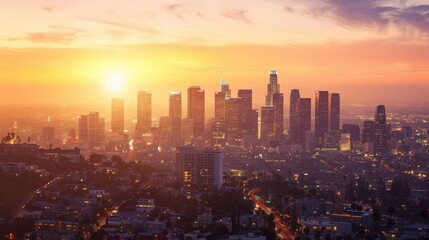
(368, 132)
(310, 141)
(187, 131)
(407, 132)
(303, 119)
(175, 113)
(218, 134)
(165, 137)
(224, 87)
(278, 104)
(380, 131)
(96, 130)
(353, 130)
(267, 124)
(246, 97)
(220, 106)
(250, 116)
(334, 112)
(117, 115)
(251, 123)
(272, 88)
(199, 168)
(196, 111)
(293, 117)
(144, 113)
(322, 117)
(83, 128)
(234, 120)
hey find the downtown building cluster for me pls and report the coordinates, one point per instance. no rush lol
(236, 124)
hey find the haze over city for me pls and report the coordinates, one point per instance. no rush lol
(214, 120)
(53, 50)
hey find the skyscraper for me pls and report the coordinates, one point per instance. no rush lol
(246, 98)
(272, 87)
(234, 120)
(380, 131)
(248, 115)
(220, 106)
(293, 116)
(224, 87)
(278, 104)
(83, 128)
(267, 124)
(368, 132)
(322, 118)
(354, 131)
(334, 112)
(199, 168)
(303, 119)
(334, 121)
(96, 129)
(144, 113)
(196, 110)
(117, 115)
(175, 113)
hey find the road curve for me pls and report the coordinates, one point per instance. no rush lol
(285, 233)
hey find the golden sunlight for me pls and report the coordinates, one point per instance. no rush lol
(115, 81)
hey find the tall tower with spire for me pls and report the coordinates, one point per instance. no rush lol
(272, 87)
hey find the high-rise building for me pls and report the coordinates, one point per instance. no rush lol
(246, 98)
(117, 115)
(144, 113)
(196, 111)
(310, 141)
(368, 132)
(322, 117)
(272, 88)
(303, 119)
(83, 128)
(250, 116)
(96, 130)
(234, 121)
(218, 134)
(224, 87)
(353, 130)
(165, 138)
(334, 122)
(199, 168)
(334, 112)
(175, 114)
(187, 131)
(293, 116)
(278, 104)
(251, 123)
(267, 124)
(380, 131)
(220, 106)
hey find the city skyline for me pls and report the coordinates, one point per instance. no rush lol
(65, 49)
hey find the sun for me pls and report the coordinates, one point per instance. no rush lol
(115, 81)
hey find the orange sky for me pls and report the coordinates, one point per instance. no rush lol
(60, 52)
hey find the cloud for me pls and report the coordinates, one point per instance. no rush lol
(185, 11)
(124, 25)
(48, 37)
(238, 15)
(288, 9)
(376, 14)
